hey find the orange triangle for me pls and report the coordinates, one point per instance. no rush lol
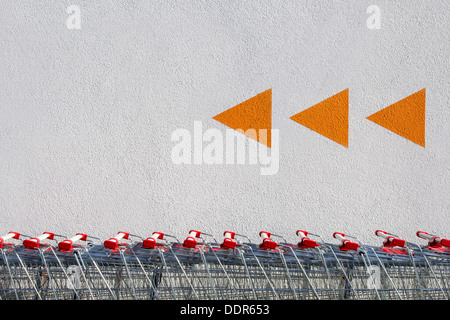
(405, 118)
(329, 118)
(254, 113)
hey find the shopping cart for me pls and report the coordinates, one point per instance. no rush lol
(161, 267)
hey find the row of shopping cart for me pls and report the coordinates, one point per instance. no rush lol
(161, 267)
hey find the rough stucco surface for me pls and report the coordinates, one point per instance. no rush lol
(87, 116)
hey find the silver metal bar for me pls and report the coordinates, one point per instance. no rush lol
(28, 275)
(241, 255)
(64, 271)
(184, 272)
(5, 258)
(101, 275)
(128, 273)
(145, 273)
(82, 267)
(304, 272)
(209, 273)
(387, 274)
(347, 279)
(291, 284)
(48, 273)
(223, 269)
(262, 269)
(161, 254)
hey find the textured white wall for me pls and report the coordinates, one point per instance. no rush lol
(87, 116)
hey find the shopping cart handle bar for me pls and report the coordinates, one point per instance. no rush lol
(265, 234)
(434, 241)
(10, 235)
(390, 241)
(150, 242)
(338, 235)
(159, 234)
(67, 245)
(267, 243)
(82, 236)
(301, 233)
(195, 233)
(125, 236)
(35, 242)
(381, 233)
(229, 234)
(228, 243)
(348, 245)
(305, 242)
(47, 235)
(113, 243)
(345, 243)
(191, 240)
(395, 242)
(424, 235)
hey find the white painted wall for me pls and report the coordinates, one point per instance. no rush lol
(87, 116)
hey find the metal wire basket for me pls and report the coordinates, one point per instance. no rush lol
(129, 267)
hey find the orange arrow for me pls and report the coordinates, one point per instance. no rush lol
(329, 118)
(254, 113)
(405, 118)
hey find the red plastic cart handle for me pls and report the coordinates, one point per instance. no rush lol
(229, 242)
(191, 241)
(267, 243)
(67, 245)
(305, 242)
(35, 243)
(390, 241)
(10, 235)
(150, 242)
(433, 241)
(113, 243)
(345, 243)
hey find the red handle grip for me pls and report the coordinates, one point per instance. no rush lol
(267, 243)
(390, 241)
(150, 242)
(190, 241)
(305, 242)
(67, 244)
(445, 242)
(345, 243)
(229, 242)
(113, 243)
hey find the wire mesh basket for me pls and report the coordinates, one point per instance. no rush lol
(161, 267)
